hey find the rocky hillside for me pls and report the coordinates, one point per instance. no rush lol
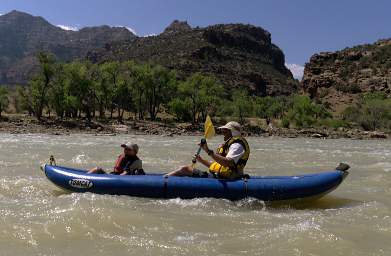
(238, 55)
(23, 35)
(339, 77)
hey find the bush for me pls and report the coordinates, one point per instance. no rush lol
(242, 105)
(181, 109)
(348, 88)
(333, 123)
(3, 99)
(305, 113)
(371, 113)
(285, 122)
(200, 95)
(373, 96)
(270, 107)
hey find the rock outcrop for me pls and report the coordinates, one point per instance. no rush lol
(240, 56)
(177, 27)
(23, 35)
(339, 77)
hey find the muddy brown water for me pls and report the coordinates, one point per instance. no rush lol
(36, 218)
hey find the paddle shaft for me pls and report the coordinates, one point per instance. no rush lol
(203, 141)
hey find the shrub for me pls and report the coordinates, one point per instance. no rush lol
(242, 104)
(3, 99)
(371, 113)
(333, 123)
(270, 107)
(348, 88)
(181, 109)
(305, 113)
(285, 122)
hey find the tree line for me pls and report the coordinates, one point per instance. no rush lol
(81, 89)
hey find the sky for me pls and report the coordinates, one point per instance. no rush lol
(300, 28)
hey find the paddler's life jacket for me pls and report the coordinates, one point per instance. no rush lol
(123, 163)
(225, 172)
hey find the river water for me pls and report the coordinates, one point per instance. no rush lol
(37, 218)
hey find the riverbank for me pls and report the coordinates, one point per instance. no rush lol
(21, 124)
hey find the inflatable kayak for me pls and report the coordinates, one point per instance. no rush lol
(268, 188)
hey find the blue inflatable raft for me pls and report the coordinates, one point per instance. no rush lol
(268, 188)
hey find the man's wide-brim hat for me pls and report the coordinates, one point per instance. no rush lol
(232, 126)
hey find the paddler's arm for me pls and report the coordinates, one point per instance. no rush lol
(224, 161)
(203, 161)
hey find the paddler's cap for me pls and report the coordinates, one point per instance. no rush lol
(131, 146)
(232, 126)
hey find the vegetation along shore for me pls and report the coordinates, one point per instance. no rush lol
(168, 83)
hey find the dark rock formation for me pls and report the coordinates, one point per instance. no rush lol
(177, 27)
(23, 35)
(238, 55)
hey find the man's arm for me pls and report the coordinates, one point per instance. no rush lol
(236, 151)
(203, 161)
(224, 161)
(117, 167)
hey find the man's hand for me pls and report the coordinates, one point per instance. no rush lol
(198, 158)
(204, 146)
(202, 160)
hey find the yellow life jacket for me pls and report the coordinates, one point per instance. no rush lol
(226, 172)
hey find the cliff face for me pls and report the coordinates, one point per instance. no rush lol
(23, 35)
(238, 55)
(339, 77)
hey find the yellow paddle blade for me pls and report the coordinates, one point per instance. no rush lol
(209, 128)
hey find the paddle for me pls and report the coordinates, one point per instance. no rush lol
(209, 132)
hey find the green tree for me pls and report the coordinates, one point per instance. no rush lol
(23, 100)
(305, 113)
(137, 77)
(159, 88)
(201, 94)
(372, 112)
(78, 89)
(212, 94)
(4, 101)
(41, 83)
(57, 94)
(242, 103)
(122, 99)
(270, 107)
(181, 109)
(110, 85)
(99, 89)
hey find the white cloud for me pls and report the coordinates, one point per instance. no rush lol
(65, 27)
(296, 69)
(153, 34)
(130, 29)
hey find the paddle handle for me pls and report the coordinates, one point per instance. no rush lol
(203, 141)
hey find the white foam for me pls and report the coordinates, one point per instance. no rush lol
(80, 159)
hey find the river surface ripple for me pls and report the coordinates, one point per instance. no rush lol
(37, 218)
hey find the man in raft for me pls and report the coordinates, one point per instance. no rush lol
(127, 163)
(228, 161)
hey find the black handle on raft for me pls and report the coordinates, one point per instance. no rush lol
(203, 141)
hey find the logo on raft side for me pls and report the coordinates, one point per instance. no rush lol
(80, 183)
